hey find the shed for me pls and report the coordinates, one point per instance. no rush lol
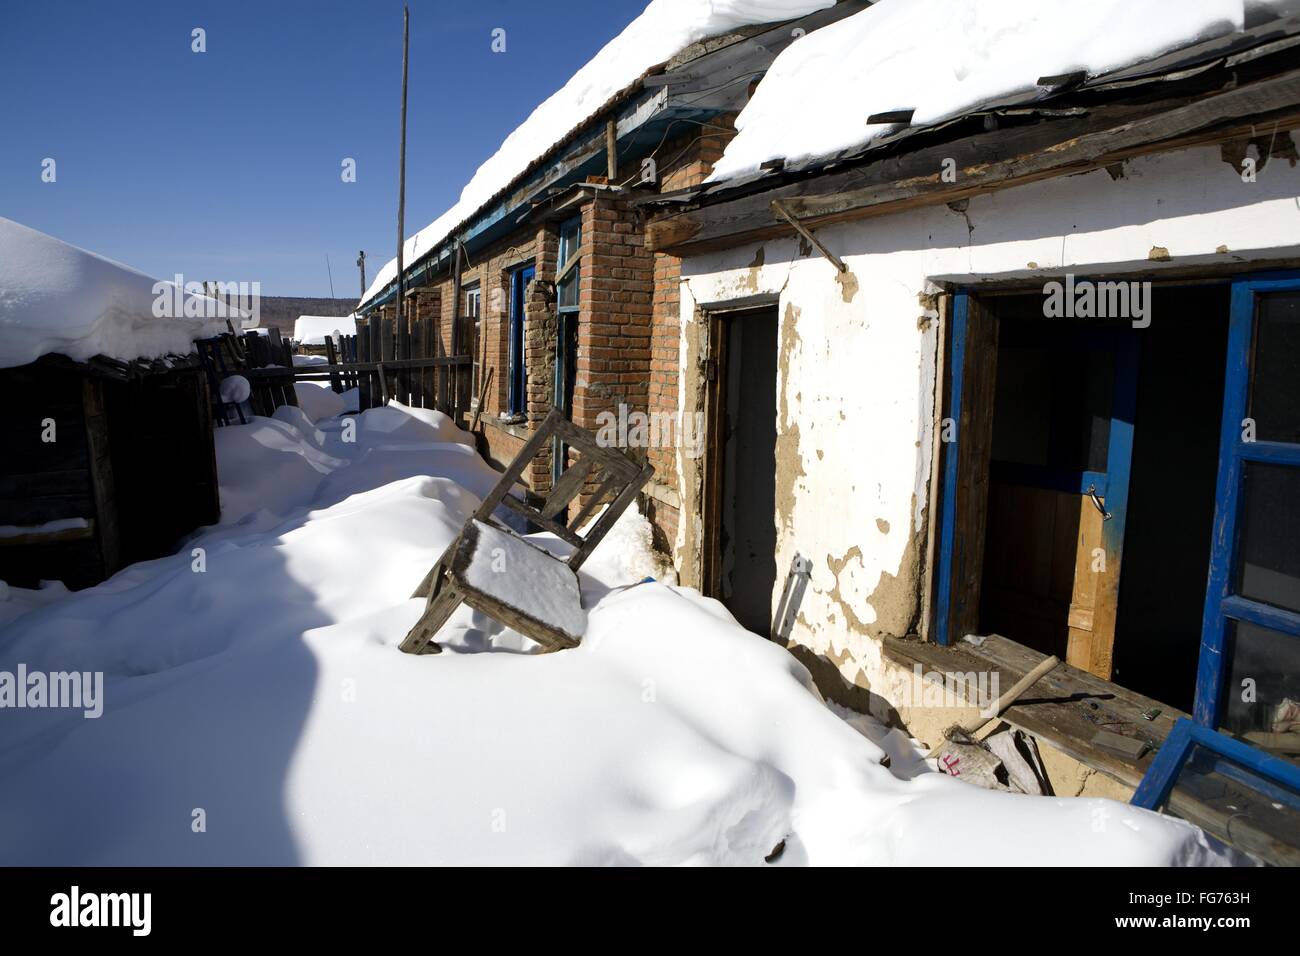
(108, 426)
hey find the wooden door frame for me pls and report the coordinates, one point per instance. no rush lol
(967, 466)
(714, 317)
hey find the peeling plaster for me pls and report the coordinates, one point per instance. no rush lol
(789, 463)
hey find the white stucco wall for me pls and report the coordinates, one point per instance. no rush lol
(857, 377)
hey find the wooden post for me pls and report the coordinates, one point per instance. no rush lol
(611, 149)
(401, 175)
(452, 374)
(361, 264)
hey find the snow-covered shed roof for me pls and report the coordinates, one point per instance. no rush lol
(941, 58)
(313, 329)
(56, 298)
(662, 30)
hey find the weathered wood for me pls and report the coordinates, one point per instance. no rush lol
(973, 448)
(482, 398)
(49, 537)
(544, 521)
(568, 485)
(336, 383)
(442, 597)
(896, 181)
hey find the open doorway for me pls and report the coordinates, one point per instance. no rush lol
(740, 505)
(1102, 463)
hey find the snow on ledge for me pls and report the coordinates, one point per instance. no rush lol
(943, 57)
(55, 297)
(664, 28)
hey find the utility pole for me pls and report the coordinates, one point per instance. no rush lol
(361, 262)
(401, 174)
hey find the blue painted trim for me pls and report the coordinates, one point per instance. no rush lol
(1233, 452)
(1271, 452)
(1159, 780)
(1119, 452)
(1055, 479)
(1153, 790)
(957, 365)
(519, 279)
(1280, 619)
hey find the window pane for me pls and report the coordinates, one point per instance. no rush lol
(1262, 698)
(570, 237)
(1268, 563)
(568, 292)
(1275, 387)
(1233, 803)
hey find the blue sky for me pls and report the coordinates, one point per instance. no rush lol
(226, 164)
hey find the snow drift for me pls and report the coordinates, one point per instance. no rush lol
(253, 681)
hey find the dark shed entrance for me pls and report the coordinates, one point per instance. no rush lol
(106, 463)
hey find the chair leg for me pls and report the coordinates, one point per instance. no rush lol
(420, 638)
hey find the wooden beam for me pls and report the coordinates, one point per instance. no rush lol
(998, 159)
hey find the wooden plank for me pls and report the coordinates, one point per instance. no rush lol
(49, 537)
(1065, 709)
(978, 381)
(541, 520)
(568, 486)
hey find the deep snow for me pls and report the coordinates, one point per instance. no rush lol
(265, 697)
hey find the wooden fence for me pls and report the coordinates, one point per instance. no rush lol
(415, 380)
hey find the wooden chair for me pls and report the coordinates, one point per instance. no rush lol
(492, 569)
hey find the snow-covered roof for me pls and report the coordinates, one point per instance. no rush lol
(55, 297)
(313, 329)
(663, 29)
(940, 58)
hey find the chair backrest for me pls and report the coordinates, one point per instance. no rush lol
(614, 476)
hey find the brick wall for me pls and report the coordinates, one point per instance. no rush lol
(629, 326)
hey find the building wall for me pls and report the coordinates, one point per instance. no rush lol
(857, 361)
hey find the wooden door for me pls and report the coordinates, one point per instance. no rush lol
(1057, 508)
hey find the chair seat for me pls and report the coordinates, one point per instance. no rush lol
(519, 584)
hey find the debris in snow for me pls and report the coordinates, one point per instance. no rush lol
(939, 58)
(235, 389)
(664, 28)
(55, 297)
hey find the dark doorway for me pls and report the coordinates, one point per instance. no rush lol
(1171, 493)
(743, 466)
(1102, 471)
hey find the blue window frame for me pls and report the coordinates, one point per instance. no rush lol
(1250, 637)
(568, 277)
(1251, 618)
(518, 397)
(1279, 779)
